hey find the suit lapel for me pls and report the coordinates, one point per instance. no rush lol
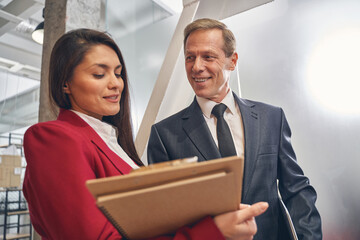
(118, 163)
(84, 128)
(197, 130)
(250, 118)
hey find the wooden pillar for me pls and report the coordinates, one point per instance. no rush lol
(61, 16)
(54, 27)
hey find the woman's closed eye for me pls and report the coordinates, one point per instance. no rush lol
(98, 76)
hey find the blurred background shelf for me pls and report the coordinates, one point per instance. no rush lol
(14, 215)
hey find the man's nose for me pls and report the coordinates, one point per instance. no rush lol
(198, 65)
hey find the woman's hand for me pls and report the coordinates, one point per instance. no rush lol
(240, 225)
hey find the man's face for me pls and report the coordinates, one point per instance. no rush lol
(207, 67)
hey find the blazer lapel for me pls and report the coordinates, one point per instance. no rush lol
(75, 120)
(250, 118)
(118, 163)
(197, 130)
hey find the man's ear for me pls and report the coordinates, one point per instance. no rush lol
(233, 61)
(66, 88)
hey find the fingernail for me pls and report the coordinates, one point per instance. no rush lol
(264, 205)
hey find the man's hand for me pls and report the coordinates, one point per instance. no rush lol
(240, 225)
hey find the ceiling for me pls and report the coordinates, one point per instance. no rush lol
(19, 53)
(18, 18)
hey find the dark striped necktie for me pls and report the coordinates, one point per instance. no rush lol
(225, 141)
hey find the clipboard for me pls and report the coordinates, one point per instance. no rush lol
(159, 199)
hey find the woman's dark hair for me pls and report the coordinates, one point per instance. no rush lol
(67, 54)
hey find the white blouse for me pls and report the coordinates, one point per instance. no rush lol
(108, 134)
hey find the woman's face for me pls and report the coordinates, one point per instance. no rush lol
(97, 84)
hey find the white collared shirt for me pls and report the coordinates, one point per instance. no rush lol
(108, 134)
(232, 116)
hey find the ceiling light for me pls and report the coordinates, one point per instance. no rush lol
(38, 34)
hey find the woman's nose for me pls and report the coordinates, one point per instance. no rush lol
(115, 82)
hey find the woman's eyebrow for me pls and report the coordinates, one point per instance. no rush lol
(105, 66)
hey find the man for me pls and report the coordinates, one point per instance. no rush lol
(259, 133)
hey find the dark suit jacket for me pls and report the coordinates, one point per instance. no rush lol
(61, 155)
(268, 156)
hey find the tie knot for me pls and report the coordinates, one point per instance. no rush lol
(218, 110)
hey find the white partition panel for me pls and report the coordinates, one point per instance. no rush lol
(172, 92)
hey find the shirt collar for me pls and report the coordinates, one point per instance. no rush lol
(207, 105)
(105, 130)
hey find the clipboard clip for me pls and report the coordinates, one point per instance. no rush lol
(174, 163)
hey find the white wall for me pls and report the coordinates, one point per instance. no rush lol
(304, 57)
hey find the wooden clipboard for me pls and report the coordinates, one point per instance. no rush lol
(161, 198)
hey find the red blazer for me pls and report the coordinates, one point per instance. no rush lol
(61, 155)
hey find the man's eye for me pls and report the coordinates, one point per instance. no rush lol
(98, 76)
(189, 58)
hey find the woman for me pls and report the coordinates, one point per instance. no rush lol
(92, 138)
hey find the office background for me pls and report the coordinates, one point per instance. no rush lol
(301, 55)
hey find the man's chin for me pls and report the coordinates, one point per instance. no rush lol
(202, 94)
